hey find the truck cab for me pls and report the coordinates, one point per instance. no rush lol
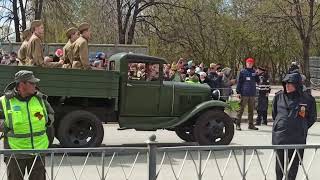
(150, 103)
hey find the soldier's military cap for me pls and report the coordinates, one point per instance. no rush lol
(26, 33)
(35, 24)
(84, 26)
(25, 76)
(71, 31)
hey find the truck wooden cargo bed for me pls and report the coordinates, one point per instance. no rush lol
(68, 82)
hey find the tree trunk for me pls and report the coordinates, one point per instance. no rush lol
(121, 33)
(131, 31)
(23, 15)
(38, 9)
(133, 23)
(16, 20)
(305, 70)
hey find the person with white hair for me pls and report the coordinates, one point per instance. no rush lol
(227, 82)
(203, 77)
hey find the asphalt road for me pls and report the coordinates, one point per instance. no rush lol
(121, 165)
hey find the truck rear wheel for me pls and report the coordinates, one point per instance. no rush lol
(185, 133)
(80, 129)
(214, 127)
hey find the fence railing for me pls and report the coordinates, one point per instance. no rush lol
(177, 163)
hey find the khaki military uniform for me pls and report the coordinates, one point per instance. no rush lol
(22, 53)
(67, 55)
(35, 54)
(80, 54)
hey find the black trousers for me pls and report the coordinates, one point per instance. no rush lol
(262, 108)
(262, 117)
(292, 172)
(18, 167)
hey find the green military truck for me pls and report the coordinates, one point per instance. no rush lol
(86, 99)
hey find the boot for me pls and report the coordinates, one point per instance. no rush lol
(237, 122)
(265, 123)
(238, 127)
(257, 123)
(251, 126)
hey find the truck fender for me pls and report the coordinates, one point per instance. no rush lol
(198, 109)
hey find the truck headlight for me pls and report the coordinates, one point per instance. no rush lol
(216, 94)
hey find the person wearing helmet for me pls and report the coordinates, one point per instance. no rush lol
(294, 112)
(294, 67)
(101, 58)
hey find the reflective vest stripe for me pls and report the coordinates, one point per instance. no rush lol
(8, 109)
(10, 134)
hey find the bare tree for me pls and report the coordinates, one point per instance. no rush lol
(301, 15)
(129, 12)
(14, 11)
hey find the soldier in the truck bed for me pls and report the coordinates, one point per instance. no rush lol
(80, 49)
(35, 55)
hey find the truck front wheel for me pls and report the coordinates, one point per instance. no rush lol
(80, 129)
(214, 127)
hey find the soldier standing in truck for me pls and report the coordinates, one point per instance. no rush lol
(80, 49)
(22, 53)
(72, 35)
(35, 55)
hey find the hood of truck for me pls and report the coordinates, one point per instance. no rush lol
(181, 87)
(186, 96)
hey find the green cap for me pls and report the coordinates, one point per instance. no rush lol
(24, 75)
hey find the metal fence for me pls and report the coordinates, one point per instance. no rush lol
(176, 163)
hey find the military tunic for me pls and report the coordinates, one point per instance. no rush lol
(80, 54)
(35, 55)
(67, 55)
(22, 53)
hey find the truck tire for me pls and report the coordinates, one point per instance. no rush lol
(50, 134)
(214, 127)
(185, 133)
(80, 129)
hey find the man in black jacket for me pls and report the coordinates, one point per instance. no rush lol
(263, 91)
(293, 112)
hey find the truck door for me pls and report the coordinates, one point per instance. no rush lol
(140, 92)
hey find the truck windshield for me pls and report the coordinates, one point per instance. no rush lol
(143, 71)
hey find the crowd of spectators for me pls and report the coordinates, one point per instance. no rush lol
(9, 59)
(215, 75)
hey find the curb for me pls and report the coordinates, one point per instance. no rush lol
(245, 118)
